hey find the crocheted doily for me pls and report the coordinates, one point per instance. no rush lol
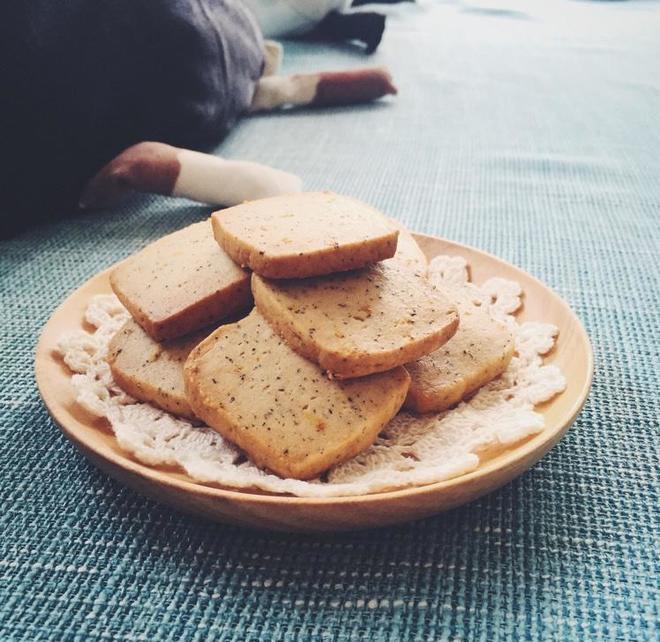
(410, 451)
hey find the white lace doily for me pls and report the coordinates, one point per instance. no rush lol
(410, 450)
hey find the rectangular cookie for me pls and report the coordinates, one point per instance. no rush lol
(357, 323)
(302, 235)
(408, 253)
(151, 371)
(280, 408)
(480, 350)
(181, 283)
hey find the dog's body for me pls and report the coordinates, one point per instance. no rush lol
(84, 80)
(88, 83)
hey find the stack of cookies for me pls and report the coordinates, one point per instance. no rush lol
(325, 326)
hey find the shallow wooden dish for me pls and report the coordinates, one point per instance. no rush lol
(572, 354)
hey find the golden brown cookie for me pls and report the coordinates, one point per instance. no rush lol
(302, 235)
(149, 370)
(281, 409)
(181, 283)
(357, 323)
(480, 350)
(408, 253)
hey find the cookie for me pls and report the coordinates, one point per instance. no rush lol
(280, 408)
(408, 253)
(358, 323)
(480, 350)
(181, 283)
(151, 371)
(303, 235)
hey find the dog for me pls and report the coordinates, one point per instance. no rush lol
(105, 98)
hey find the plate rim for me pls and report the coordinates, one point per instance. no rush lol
(541, 442)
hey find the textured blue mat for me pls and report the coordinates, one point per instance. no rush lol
(530, 130)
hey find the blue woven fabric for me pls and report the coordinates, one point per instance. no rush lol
(529, 130)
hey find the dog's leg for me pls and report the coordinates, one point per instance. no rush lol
(273, 54)
(322, 89)
(163, 169)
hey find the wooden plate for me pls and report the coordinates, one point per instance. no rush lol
(572, 354)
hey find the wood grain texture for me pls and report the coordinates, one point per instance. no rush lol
(93, 438)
